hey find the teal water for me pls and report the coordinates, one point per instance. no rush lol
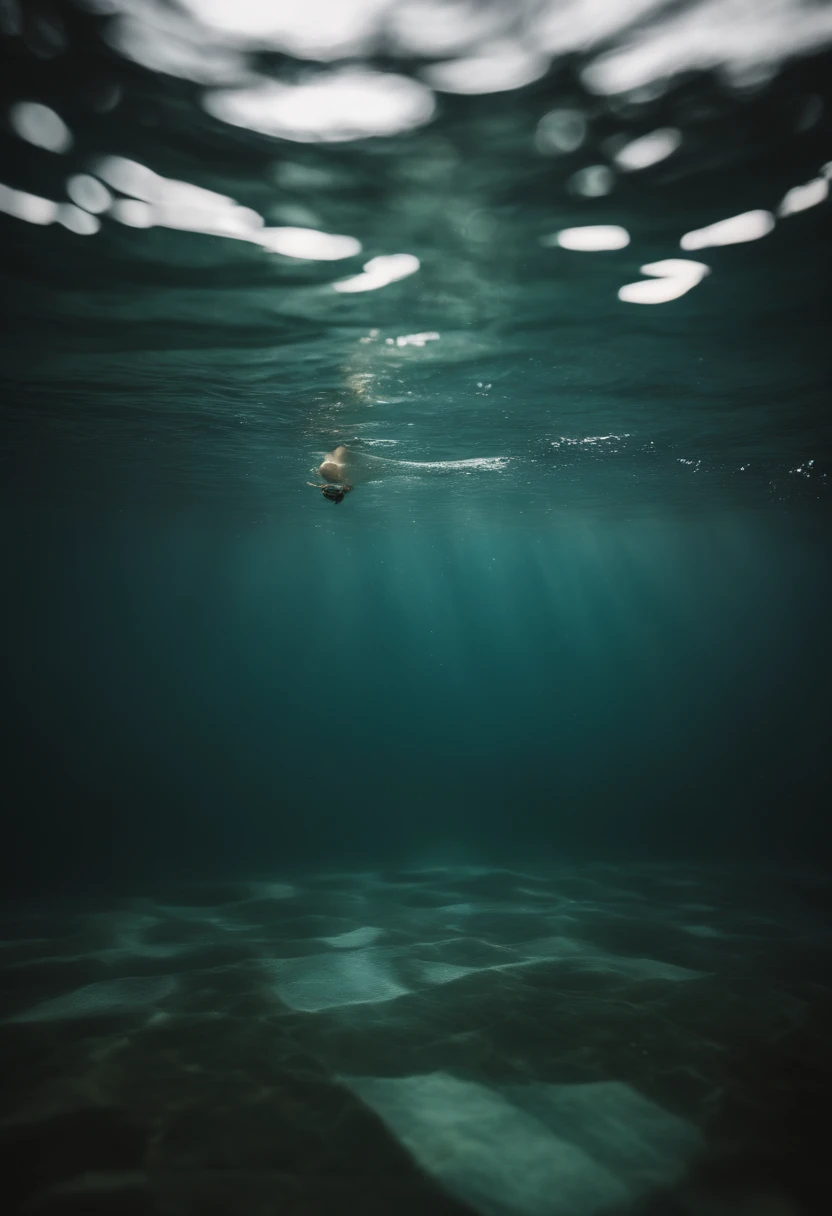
(373, 688)
(481, 818)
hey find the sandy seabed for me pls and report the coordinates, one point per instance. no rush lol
(585, 1040)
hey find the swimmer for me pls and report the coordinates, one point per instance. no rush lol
(333, 492)
(333, 469)
(334, 466)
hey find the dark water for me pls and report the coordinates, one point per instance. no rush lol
(462, 847)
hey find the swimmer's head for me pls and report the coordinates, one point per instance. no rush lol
(335, 493)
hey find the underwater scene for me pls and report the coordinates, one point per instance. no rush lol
(415, 509)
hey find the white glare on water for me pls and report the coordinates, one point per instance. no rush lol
(589, 239)
(648, 149)
(78, 220)
(380, 271)
(29, 207)
(309, 29)
(497, 69)
(800, 198)
(413, 27)
(163, 41)
(750, 226)
(165, 203)
(132, 212)
(175, 204)
(309, 244)
(746, 40)
(39, 125)
(670, 279)
(128, 176)
(353, 103)
(629, 44)
(415, 339)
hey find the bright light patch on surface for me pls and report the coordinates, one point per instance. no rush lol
(416, 339)
(163, 41)
(89, 193)
(168, 203)
(492, 464)
(565, 441)
(800, 198)
(39, 125)
(309, 244)
(414, 29)
(312, 29)
(560, 131)
(574, 25)
(165, 203)
(502, 68)
(191, 209)
(671, 278)
(648, 149)
(590, 239)
(750, 226)
(77, 220)
(746, 42)
(27, 207)
(128, 176)
(378, 272)
(592, 182)
(333, 107)
(643, 43)
(133, 212)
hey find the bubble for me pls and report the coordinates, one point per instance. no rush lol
(89, 193)
(560, 131)
(592, 182)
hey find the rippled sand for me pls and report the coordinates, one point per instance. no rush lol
(462, 1040)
